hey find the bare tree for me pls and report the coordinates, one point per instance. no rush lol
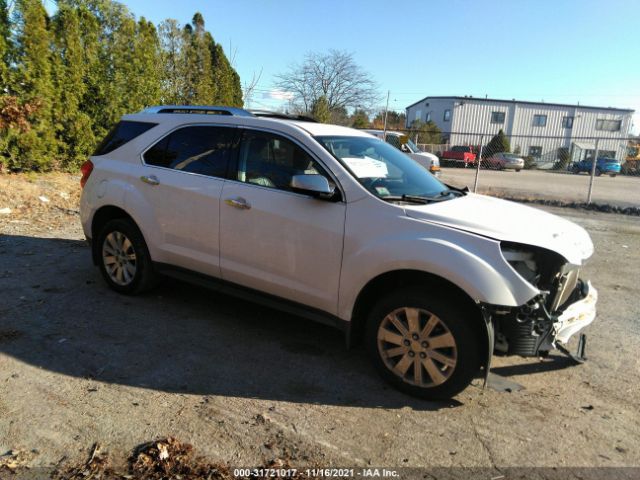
(249, 87)
(334, 76)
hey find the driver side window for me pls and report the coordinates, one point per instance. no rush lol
(270, 160)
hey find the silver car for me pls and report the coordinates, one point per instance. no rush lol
(503, 160)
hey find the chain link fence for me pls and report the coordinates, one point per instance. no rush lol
(591, 170)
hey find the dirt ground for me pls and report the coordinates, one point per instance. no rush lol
(80, 364)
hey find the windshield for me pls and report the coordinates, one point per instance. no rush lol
(382, 169)
(511, 156)
(413, 147)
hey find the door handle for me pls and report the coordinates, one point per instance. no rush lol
(150, 180)
(238, 202)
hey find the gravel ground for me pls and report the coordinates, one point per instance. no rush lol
(623, 191)
(80, 364)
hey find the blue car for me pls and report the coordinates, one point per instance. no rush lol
(610, 166)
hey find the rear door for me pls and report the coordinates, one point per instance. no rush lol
(273, 239)
(182, 179)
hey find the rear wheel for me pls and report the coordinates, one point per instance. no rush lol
(598, 172)
(424, 344)
(124, 259)
(518, 169)
(612, 174)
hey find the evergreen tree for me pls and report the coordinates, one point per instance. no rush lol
(5, 48)
(228, 89)
(360, 119)
(37, 147)
(320, 110)
(174, 76)
(74, 127)
(499, 143)
(202, 83)
(147, 67)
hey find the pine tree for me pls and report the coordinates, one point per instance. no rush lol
(5, 48)
(174, 75)
(147, 74)
(499, 143)
(38, 146)
(228, 89)
(74, 127)
(320, 110)
(202, 87)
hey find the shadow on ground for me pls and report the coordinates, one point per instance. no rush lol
(56, 313)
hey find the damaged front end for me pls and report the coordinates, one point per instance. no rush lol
(565, 305)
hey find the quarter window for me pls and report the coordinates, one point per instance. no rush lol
(123, 132)
(539, 120)
(271, 161)
(203, 150)
(447, 115)
(497, 117)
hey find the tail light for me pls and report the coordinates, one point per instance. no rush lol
(86, 169)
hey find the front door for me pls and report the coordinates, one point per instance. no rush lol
(273, 239)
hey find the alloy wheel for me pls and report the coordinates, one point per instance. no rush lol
(119, 258)
(417, 346)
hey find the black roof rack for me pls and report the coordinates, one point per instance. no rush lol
(198, 109)
(283, 116)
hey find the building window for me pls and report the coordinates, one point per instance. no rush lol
(497, 117)
(567, 122)
(608, 125)
(428, 119)
(447, 115)
(535, 152)
(539, 120)
(418, 115)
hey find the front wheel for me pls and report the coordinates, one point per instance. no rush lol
(124, 259)
(424, 344)
(518, 169)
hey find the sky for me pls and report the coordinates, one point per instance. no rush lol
(562, 51)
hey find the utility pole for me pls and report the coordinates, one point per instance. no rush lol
(593, 171)
(479, 161)
(386, 112)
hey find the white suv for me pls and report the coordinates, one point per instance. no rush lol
(335, 225)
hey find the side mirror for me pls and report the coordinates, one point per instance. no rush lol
(312, 184)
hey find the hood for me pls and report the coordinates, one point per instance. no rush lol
(508, 221)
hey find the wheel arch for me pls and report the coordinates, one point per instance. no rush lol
(395, 279)
(105, 214)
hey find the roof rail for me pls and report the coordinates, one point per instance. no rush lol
(284, 116)
(198, 109)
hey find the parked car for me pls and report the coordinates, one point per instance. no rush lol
(402, 142)
(332, 224)
(461, 156)
(504, 160)
(610, 166)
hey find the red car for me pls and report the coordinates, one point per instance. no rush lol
(459, 155)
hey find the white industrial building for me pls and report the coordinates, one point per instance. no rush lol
(540, 130)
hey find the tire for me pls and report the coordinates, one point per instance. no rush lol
(444, 371)
(576, 170)
(518, 169)
(123, 258)
(612, 175)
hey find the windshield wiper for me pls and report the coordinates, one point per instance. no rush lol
(412, 198)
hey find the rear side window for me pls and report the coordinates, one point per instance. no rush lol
(203, 150)
(123, 132)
